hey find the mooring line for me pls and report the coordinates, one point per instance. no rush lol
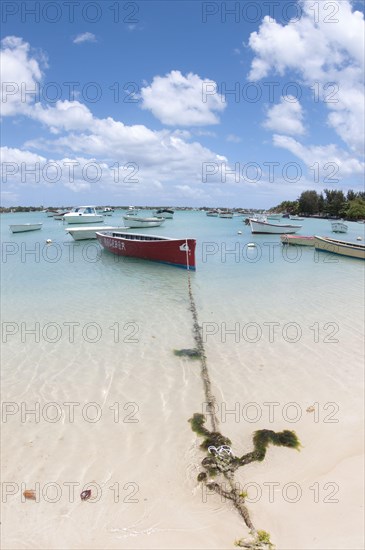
(210, 398)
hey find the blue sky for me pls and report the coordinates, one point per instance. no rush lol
(181, 103)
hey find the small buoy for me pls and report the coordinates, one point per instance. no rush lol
(359, 239)
(251, 245)
(239, 232)
(48, 241)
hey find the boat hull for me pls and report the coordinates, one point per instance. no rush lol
(297, 240)
(22, 228)
(272, 228)
(341, 248)
(83, 233)
(339, 227)
(83, 218)
(137, 222)
(177, 252)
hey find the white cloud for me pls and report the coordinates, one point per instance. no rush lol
(286, 117)
(181, 100)
(320, 53)
(84, 37)
(20, 72)
(323, 159)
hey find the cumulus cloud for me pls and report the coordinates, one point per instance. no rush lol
(181, 100)
(324, 159)
(20, 71)
(84, 37)
(286, 117)
(320, 53)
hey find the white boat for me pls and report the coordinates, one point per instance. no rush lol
(83, 214)
(339, 227)
(261, 226)
(82, 233)
(296, 218)
(213, 213)
(107, 211)
(342, 248)
(22, 227)
(165, 213)
(132, 211)
(138, 221)
(226, 215)
(273, 216)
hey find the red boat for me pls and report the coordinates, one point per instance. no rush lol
(179, 252)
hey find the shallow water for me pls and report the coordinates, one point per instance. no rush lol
(88, 343)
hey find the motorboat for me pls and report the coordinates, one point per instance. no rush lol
(166, 213)
(139, 221)
(213, 213)
(296, 218)
(177, 252)
(22, 227)
(339, 227)
(262, 226)
(227, 214)
(341, 248)
(83, 214)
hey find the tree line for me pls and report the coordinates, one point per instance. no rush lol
(330, 203)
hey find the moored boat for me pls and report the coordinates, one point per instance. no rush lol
(166, 213)
(226, 214)
(83, 233)
(178, 252)
(261, 226)
(213, 213)
(339, 227)
(83, 214)
(139, 221)
(300, 240)
(342, 248)
(296, 218)
(273, 216)
(22, 227)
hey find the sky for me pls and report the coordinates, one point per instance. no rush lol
(183, 103)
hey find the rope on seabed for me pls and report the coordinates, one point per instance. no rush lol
(226, 463)
(210, 399)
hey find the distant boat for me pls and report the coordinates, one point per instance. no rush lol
(273, 216)
(166, 213)
(342, 248)
(139, 221)
(83, 233)
(213, 213)
(260, 226)
(178, 252)
(296, 218)
(226, 214)
(107, 211)
(339, 227)
(22, 227)
(51, 213)
(83, 214)
(132, 211)
(297, 240)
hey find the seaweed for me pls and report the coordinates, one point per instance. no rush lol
(191, 353)
(221, 461)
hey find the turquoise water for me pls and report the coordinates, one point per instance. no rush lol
(81, 325)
